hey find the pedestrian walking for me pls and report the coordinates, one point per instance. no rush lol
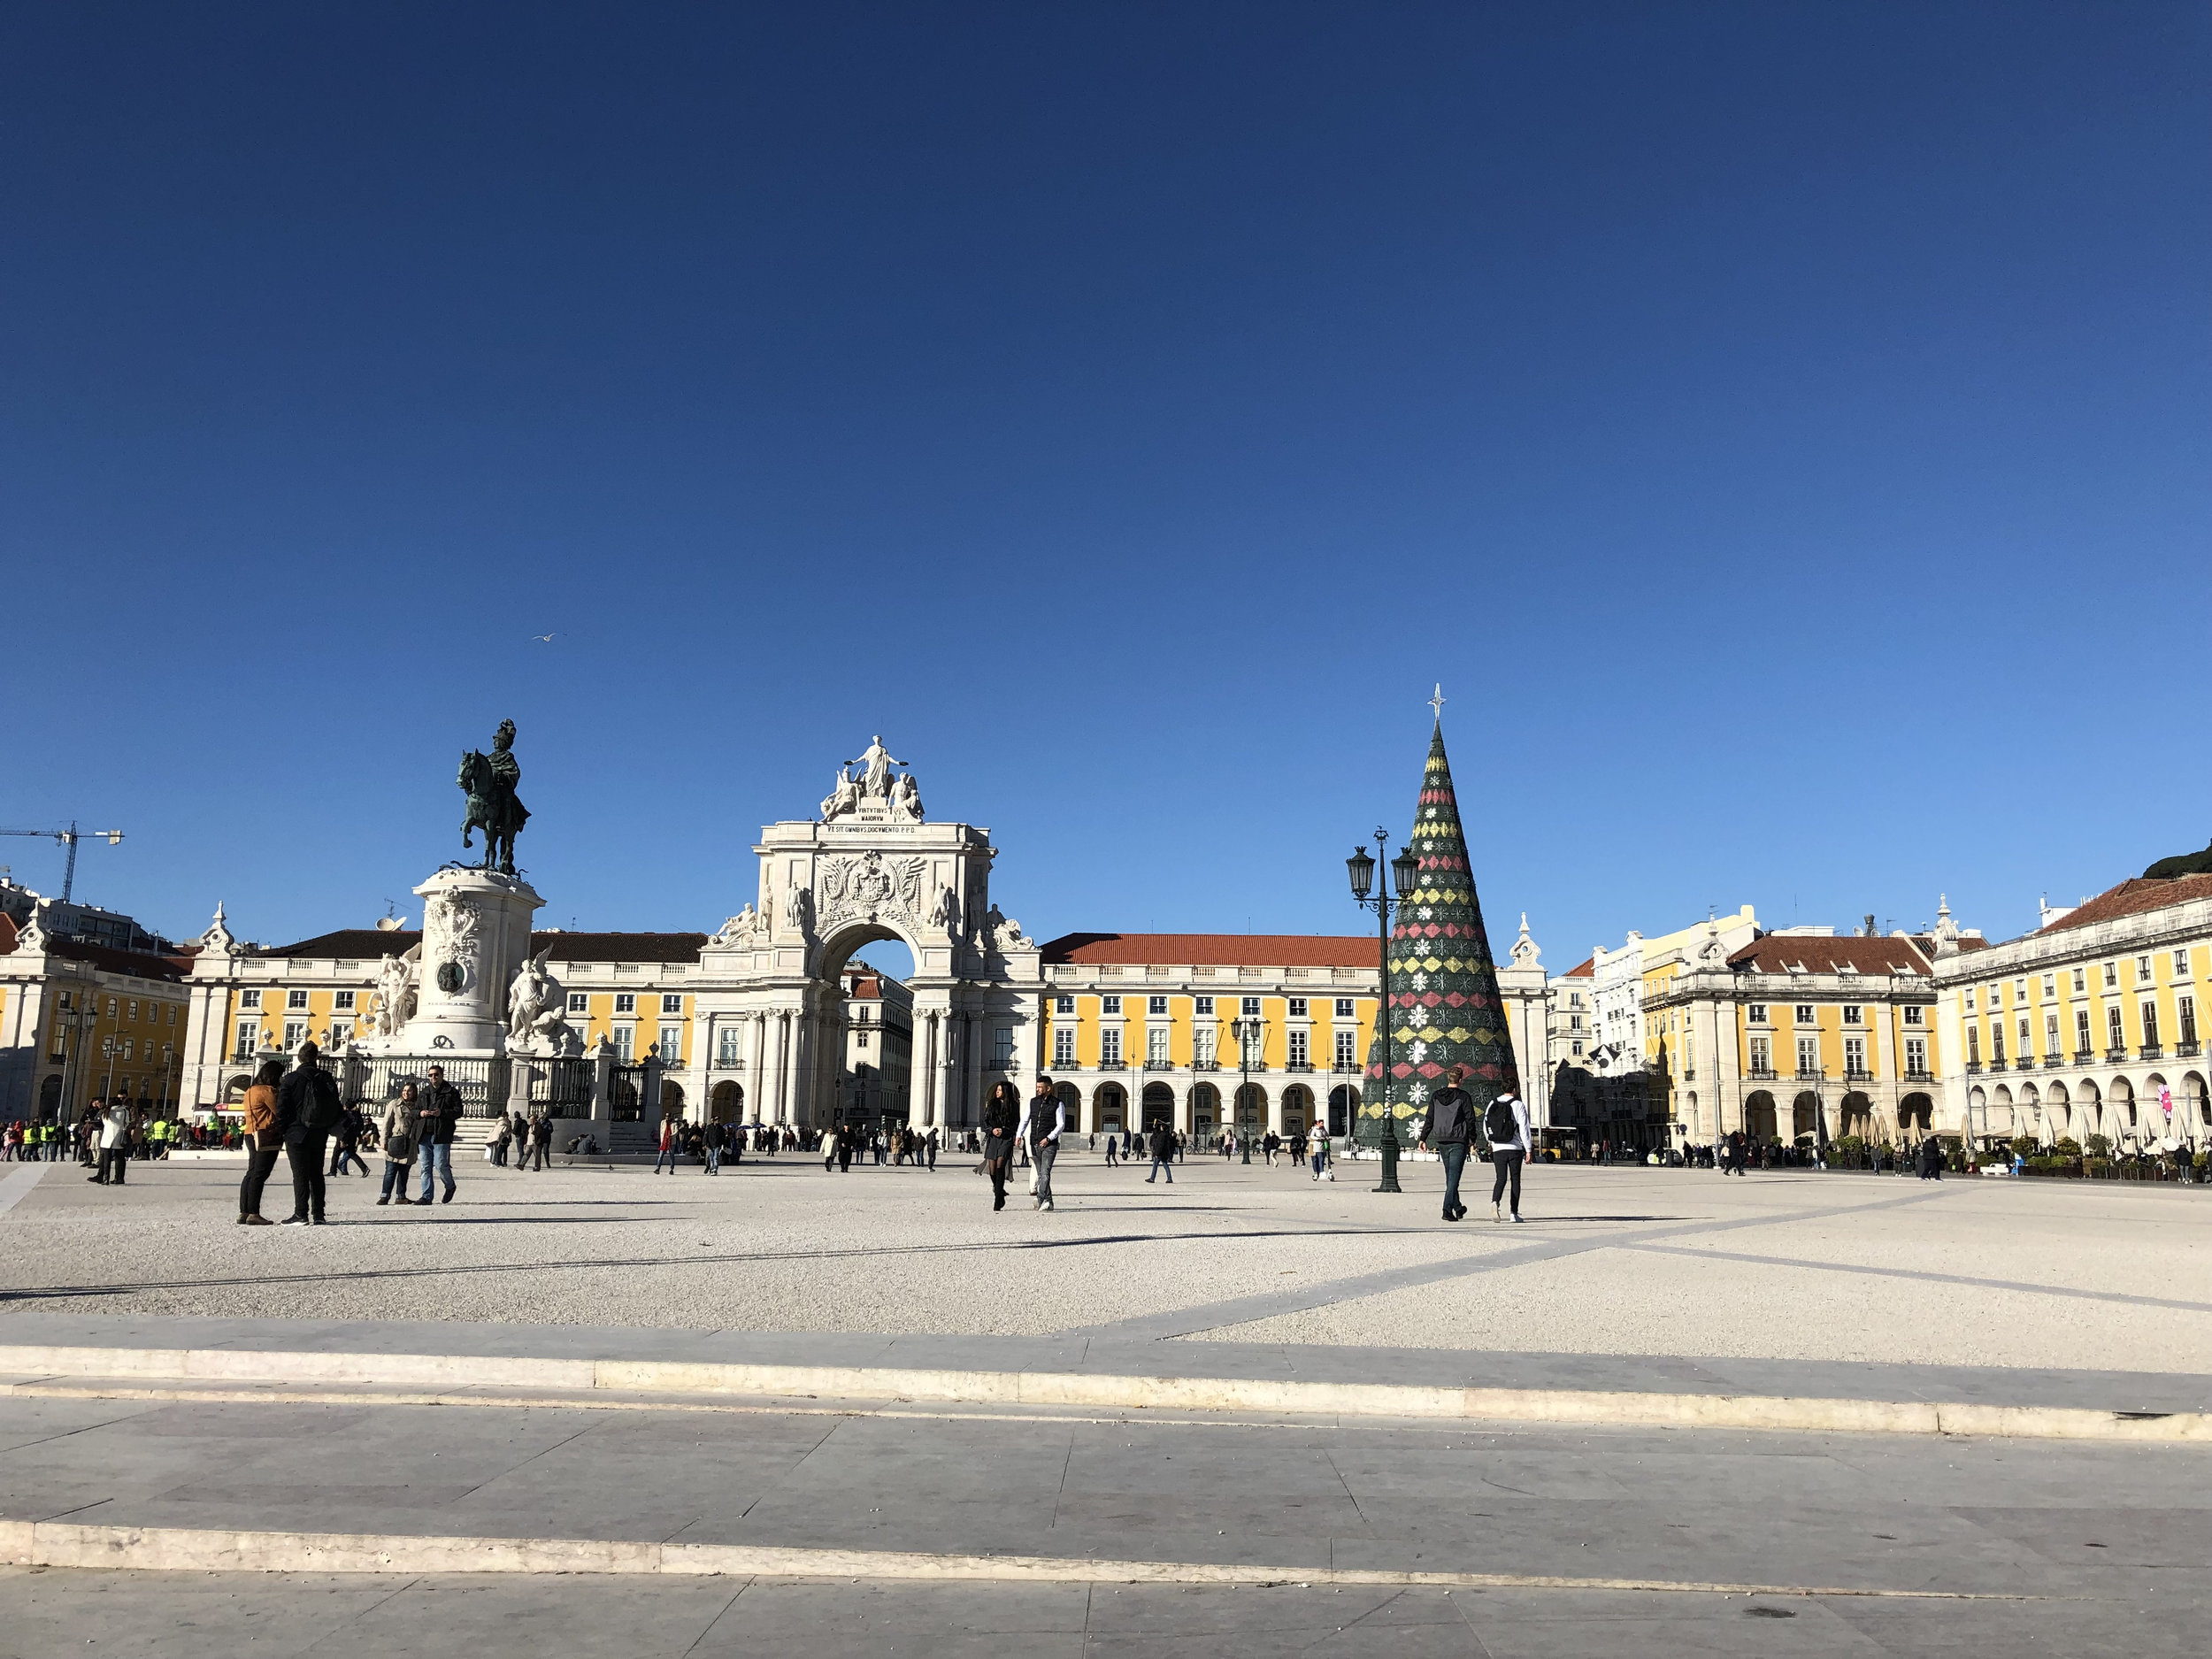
(308, 1109)
(1162, 1150)
(541, 1138)
(440, 1110)
(1450, 1127)
(1002, 1121)
(668, 1152)
(1320, 1144)
(846, 1150)
(1047, 1117)
(402, 1132)
(931, 1138)
(111, 1124)
(263, 1140)
(345, 1143)
(1113, 1150)
(714, 1148)
(1505, 1126)
(829, 1149)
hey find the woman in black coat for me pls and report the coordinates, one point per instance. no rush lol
(1001, 1122)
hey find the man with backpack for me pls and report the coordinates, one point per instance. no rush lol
(1449, 1127)
(308, 1111)
(1505, 1126)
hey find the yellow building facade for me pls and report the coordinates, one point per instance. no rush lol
(2089, 1026)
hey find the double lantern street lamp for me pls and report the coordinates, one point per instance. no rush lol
(1249, 1033)
(1405, 872)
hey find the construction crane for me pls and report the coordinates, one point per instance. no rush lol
(68, 838)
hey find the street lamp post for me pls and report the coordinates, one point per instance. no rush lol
(1405, 872)
(1247, 1030)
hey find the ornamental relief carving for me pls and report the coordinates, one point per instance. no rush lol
(452, 926)
(869, 884)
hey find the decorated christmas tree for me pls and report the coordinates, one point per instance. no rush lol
(1444, 1004)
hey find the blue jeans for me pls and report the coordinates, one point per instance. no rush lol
(1159, 1165)
(395, 1180)
(436, 1159)
(1454, 1153)
(668, 1156)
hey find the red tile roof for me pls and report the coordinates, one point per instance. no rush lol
(1773, 952)
(1586, 970)
(1241, 950)
(2133, 897)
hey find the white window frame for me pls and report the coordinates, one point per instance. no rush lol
(625, 1001)
(672, 1002)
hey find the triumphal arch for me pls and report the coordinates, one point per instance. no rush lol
(768, 994)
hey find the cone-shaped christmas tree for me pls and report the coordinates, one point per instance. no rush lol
(1444, 1004)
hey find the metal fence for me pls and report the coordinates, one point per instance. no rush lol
(561, 1089)
(626, 1093)
(372, 1080)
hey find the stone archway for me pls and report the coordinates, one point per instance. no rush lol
(1205, 1111)
(1251, 1110)
(1758, 1116)
(1110, 1109)
(726, 1103)
(1343, 1105)
(1159, 1107)
(1297, 1109)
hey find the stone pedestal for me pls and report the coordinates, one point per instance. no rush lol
(475, 935)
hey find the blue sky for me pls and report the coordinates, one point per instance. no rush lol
(1782, 428)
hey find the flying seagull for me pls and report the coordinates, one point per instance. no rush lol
(543, 639)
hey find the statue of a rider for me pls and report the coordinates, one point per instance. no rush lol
(490, 782)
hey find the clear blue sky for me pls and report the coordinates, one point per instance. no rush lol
(1782, 428)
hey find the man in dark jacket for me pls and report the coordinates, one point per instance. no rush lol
(1047, 1118)
(439, 1112)
(307, 1110)
(1450, 1124)
(1163, 1144)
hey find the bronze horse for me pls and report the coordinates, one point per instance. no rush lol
(492, 808)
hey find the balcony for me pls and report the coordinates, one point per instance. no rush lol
(1811, 1074)
(1997, 1064)
(1919, 1075)
(1761, 1073)
(1973, 1068)
(2116, 1054)
(2151, 1051)
(1159, 1065)
(2083, 1056)
(1857, 1074)
(2186, 1050)
(2052, 1061)
(1299, 1065)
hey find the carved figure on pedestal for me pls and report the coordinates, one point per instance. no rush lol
(536, 1010)
(741, 929)
(906, 798)
(1003, 933)
(844, 797)
(946, 914)
(875, 763)
(451, 927)
(395, 995)
(798, 910)
(490, 782)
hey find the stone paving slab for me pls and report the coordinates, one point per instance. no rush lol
(2106, 1391)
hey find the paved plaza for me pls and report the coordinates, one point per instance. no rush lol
(1612, 1261)
(195, 1417)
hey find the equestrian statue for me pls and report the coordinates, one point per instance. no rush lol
(490, 780)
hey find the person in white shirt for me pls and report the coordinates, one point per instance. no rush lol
(1047, 1117)
(1505, 1126)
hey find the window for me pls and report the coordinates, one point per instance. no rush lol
(1804, 1013)
(301, 1004)
(1110, 1045)
(2142, 970)
(860, 1037)
(2111, 974)
(1913, 1017)
(340, 1033)
(1003, 1047)
(134, 1008)
(2050, 987)
(2181, 964)
(2149, 1012)
(1346, 1050)
(248, 1039)
(1156, 1044)
(672, 1004)
(579, 1003)
(1201, 1046)
(1253, 1051)
(2019, 990)
(1345, 1011)
(1064, 1047)
(1298, 1008)
(1854, 1056)
(1204, 1005)
(1064, 1005)
(1973, 1045)
(1969, 999)
(172, 1013)
(293, 1000)
(1757, 1013)
(727, 1046)
(2050, 1036)
(2026, 1048)
(1299, 1054)
(2081, 1032)
(1762, 1057)
(295, 1034)
(625, 1044)
(2114, 1031)
(246, 999)
(2081, 980)
(1251, 1006)
(1578, 1048)
(342, 1001)
(1109, 1004)
(1807, 1056)
(127, 1047)
(1155, 1005)
(671, 1044)
(1852, 1014)
(1916, 1057)
(1574, 1022)
(2186, 1018)
(1996, 997)
(625, 1001)
(1996, 1042)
